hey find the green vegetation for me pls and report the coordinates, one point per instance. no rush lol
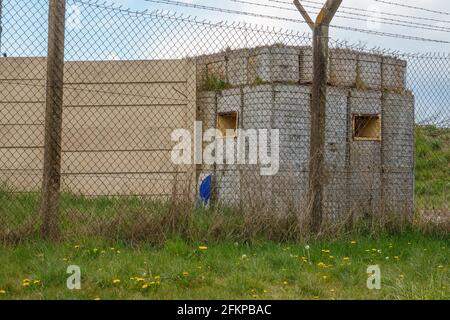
(137, 249)
(134, 220)
(259, 81)
(213, 83)
(413, 266)
(433, 167)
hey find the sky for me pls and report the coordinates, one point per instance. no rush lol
(24, 7)
(352, 37)
(109, 34)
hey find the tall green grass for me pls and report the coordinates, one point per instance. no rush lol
(413, 266)
(432, 169)
(138, 220)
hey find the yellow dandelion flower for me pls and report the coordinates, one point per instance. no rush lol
(346, 258)
(285, 283)
(2, 291)
(321, 265)
(326, 251)
(25, 284)
(139, 279)
(203, 248)
(157, 278)
(116, 281)
(145, 286)
(324, 277)
(36, 282)
(354, 242)
(97, 299)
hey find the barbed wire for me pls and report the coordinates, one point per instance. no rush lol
(369, 18)
(367, 12)
(413, 7)
(176, 16)
(258, 15)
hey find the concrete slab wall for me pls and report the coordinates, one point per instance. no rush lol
(365, 157)
(336, 154)
(398, 152)
(22, 118)
(118, 117)
(288, 64)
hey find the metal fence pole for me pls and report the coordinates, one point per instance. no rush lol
(53, 120)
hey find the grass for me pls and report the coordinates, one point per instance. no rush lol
(249, 256)
(214, 83)
(413, 266)
(433, 167)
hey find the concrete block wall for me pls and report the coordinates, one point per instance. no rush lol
(365, 157)
(343, 67)
(398, 152)
(361, 176)
(336, 153)
(368, 73)
(285, 107)
(393, 74)
(289, 64)
(208, 66)
(274, 64)
(291, 112)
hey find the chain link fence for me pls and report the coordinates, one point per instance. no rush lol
(163, 113)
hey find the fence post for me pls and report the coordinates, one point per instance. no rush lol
(318, 106)
(53, 120)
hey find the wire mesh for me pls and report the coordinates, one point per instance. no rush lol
(137, 84)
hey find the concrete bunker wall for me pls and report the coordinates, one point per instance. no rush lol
(270, 89)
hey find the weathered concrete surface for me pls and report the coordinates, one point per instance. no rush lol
(368, 73)
(343, 67)
(393, 73)
(274, 64)
(365, 158)
(398, 153)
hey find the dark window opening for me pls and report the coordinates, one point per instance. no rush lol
(367, 127)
